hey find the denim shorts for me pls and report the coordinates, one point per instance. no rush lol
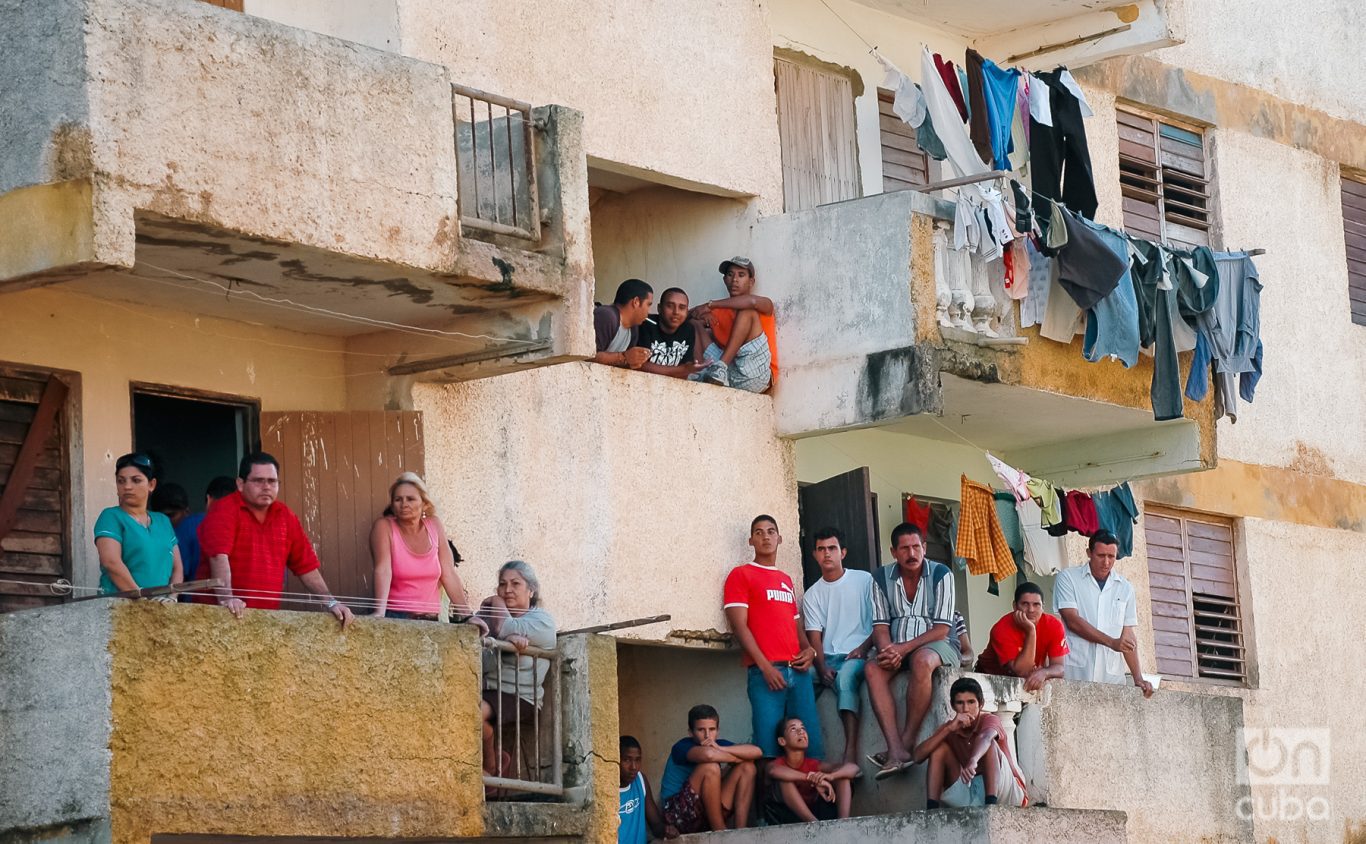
(848, 678)
(768, 709)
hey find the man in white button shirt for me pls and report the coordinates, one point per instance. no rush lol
(1098, 609)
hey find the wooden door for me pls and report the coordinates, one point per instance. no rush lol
(817, 135)
(845, 502)
(335, 472)
(35, 526)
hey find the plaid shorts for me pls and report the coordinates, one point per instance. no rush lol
(752, 368)
(684, 811)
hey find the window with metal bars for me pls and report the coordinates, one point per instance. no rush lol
(1164, 178)
(1354, 234)
(1193, 585)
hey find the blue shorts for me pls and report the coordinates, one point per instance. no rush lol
(768, 709)
(848, 678)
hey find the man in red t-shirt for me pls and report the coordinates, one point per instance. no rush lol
(761, 607)
(249, 538)
(1026, 643)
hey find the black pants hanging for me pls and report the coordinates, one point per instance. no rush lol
(1059, 160)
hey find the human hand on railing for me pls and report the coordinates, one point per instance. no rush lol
(1035, 680)
(636, 356)
(236, 606)
(168, 600)
(480, 624)
(521, 643)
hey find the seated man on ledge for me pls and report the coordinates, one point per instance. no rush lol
(615, 325)
(969, 739)
(743, 352)
(807, 789)
(1026, 643)
(673, 340)
(707, 777)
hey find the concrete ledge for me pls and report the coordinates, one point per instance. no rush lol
(944, 826)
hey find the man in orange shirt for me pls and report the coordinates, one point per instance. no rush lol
(742, 352)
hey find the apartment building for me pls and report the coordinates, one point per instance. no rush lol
(368, 236)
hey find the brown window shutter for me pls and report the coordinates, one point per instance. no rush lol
(1192, 577)
(904, 164)
(1354, 232)
(1164, 180)
(816, 135)
(234, 5)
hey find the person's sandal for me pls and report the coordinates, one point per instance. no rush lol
(891, 769)
(878, 760)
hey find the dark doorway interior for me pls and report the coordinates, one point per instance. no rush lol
(192, 440)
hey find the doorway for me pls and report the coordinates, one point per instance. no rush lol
(193, 437)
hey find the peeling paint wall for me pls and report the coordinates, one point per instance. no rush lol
(112, 344)
(631, 494)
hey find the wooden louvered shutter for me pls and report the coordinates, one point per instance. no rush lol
(1164, 179)
(904, 164)
(1354, 231)
(1192, 575)
(816, 133)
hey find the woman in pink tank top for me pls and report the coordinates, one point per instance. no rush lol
(413, 560)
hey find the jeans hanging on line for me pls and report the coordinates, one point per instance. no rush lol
(1059, 155)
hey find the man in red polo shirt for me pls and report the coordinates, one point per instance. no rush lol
(249, 538)
(1026, 643)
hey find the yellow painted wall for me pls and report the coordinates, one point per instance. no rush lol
(111, 344)
(281, 725)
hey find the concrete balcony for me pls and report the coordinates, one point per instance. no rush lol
(131, 721)
(168, 152)
(859, 286)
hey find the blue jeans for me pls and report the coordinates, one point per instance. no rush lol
(769, 708)
(848, 678)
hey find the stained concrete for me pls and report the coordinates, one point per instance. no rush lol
(942, 826)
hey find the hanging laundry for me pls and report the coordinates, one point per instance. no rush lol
(1117, 513)
(1088, 269)
(1019, 129)
(1017, 269)
(1112, 323)
(1065, 77)
(1015, 480)
(918, 514)
(1045, 554)
(1009, 521)
(1062, 319)
(980, 540)
(1232, 325)
(1247, 381)
(1049, 216)
(1061, 159)
(1040, 277)
(928, 140)
(1172, 287)
(1197, 382)
(1049, 498)
(948, 125)
(946, 72)
(1039, 95)
(908, 103)
(944, 534)
(1079, 513)
(978, 118)
(1001, 86)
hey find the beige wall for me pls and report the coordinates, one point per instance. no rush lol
(631, 494)
(111, 344)
(646, 82)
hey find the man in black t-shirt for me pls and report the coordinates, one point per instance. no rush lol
(674, 342)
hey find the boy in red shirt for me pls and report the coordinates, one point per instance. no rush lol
(762, 609)
(1026, 643)
(807, 790)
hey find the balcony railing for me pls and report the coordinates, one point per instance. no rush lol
(535, 746)
(495, 144)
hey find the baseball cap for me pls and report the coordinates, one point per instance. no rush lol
(742, 263)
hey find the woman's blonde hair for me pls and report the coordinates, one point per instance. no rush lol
(415, 481)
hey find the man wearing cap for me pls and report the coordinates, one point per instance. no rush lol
(743, 352)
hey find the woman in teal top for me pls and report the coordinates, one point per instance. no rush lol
(137, 548)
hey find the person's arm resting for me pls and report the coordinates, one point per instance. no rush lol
(1083, 628)
(747, 302)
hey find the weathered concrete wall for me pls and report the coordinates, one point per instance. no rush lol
(646, 85)
(1308, 59)
(282, 725)
(54, 717)
(112, 344)
(846, 320)
(1170, 762)
(631, 494)
(946, 826)
(324, 133)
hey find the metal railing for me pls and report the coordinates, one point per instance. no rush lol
(530, 771)
(495, 145)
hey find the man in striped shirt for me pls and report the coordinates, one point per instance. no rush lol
(913, 605)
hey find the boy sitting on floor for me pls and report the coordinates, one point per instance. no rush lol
(807, 789)
(708, 777)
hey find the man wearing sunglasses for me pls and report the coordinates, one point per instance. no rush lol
(250, 538)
